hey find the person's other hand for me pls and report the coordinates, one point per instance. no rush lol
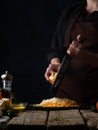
(74, 47)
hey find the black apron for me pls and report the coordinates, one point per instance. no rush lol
(81, 79)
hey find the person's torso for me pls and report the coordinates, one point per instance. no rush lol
(81, 80)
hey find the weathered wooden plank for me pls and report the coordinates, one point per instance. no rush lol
(65, 119)
(36, 118)
(91, 119)
(29, 120)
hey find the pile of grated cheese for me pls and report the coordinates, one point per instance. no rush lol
(58, 102)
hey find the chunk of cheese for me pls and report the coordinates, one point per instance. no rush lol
(53, 77)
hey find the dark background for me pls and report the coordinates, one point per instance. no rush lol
(26, 31)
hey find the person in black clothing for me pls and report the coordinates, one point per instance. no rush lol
(80, 81)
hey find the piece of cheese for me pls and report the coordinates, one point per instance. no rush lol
(53, 77)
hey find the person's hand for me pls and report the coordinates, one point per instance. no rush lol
(74, 47)
(51, 72)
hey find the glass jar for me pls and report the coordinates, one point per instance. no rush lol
(7, 89)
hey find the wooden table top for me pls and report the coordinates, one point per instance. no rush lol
(72, 119)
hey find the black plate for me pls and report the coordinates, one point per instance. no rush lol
(34, 107)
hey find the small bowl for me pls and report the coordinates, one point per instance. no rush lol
(19, 107)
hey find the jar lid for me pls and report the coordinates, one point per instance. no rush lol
(6, 76)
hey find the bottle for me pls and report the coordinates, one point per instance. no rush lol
(7, 89)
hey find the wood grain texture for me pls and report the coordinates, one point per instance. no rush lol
(69, 119)
(91, 119)
(28, 120)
